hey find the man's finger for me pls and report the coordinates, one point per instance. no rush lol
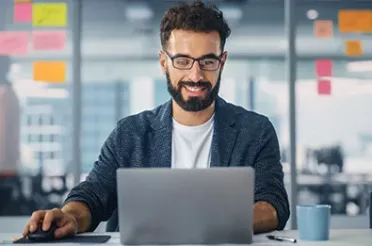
(50, 216)
(65, 220)
(15, 239)
(66, 230)
(26, 230)
(35, 219)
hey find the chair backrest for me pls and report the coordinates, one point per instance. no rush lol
(370, 210)
(112, 224)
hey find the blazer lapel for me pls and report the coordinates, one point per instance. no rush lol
(224, 135)
(160, 154)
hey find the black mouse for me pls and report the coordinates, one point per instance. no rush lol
(40, 235)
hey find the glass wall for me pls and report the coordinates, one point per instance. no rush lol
(35, 114)
(332, 109)
(333, 113)
(333, 143)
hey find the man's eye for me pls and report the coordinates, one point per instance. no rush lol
(183, 61)
(209, 61)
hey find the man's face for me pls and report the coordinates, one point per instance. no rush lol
(193, 86)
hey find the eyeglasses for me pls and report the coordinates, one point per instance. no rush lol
(208, 62)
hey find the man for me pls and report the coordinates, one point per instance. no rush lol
(196, 129)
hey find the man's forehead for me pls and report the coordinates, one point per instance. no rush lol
(182, 41)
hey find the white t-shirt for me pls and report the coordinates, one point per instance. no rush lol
(191, 145)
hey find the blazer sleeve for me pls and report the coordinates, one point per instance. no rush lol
(98, 191)
(269, 184)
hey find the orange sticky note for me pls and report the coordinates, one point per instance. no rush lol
(324, 87)
(323, 28)
(48, 40)
(49, 71)
(22, 1)
(353, 48)
(355, 21)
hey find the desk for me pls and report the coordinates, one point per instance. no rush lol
(340, 237)
(344, 237)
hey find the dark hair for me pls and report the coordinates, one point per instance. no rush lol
(194, 17)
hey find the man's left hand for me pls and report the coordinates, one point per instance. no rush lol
(265, 217)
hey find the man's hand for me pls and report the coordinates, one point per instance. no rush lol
(265, 217)
(66, 223)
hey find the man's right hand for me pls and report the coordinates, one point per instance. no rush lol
(66, 224)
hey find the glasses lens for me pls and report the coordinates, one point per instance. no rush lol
(183, 62)
(209, 64)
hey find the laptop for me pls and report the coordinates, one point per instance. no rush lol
(185, 206)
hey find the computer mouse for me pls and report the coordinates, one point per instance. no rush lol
(40, 235)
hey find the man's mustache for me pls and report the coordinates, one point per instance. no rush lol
(206, 84)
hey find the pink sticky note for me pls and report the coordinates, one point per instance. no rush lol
(13, 43)
(323, 67)
(49, 40)
(23, 12)
(324, 87)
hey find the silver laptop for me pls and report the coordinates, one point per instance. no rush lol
(185, 206)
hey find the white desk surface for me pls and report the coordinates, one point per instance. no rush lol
(342, 237)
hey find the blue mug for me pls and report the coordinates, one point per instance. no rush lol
(313, 222)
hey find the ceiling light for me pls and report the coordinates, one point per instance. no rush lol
(138, 11)
(231, 12)
(312, 14)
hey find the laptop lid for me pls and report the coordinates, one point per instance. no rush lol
(185, 206)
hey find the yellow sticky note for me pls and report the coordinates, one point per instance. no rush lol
(49, 71)
(355, 21)
(353, 48)
(49, 14)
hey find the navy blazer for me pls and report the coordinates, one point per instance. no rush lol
(144, 140)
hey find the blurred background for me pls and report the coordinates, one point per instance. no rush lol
(55, 118)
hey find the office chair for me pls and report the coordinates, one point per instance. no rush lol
(113, 222)
(330, 156)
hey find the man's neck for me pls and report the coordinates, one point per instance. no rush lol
(188, 118)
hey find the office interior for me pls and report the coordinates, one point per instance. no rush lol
(51, 132)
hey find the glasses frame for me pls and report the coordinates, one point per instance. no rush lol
(219, 59)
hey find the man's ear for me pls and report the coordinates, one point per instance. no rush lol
(163, 61)
(223, 59)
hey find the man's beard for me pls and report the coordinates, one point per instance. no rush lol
(194, 104)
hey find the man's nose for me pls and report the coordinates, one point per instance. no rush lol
(196, 74)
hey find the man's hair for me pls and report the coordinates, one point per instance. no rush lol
(194, 17)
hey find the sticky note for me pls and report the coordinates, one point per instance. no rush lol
(324, 87)
(49, 71)
(23, 12)
(355, 21)
(323, 67)
(22, 1)
(49, 14)
(323, 28)
(48, 40)
(14, 43)
(353, 48)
